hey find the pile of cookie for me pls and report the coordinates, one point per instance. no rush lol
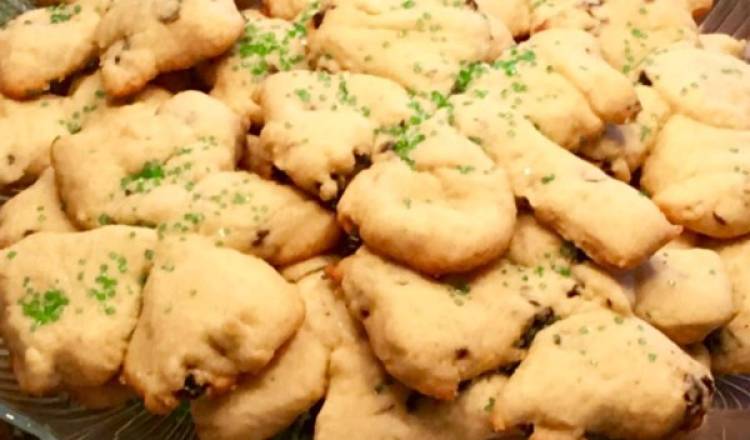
(378, 219)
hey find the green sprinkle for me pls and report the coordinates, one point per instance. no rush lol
(44, 308)
(519, 87)
(637, 33)
(458, 285)
(490, 404)
(510, 64)
(149, 177)
(62, 13)
(439, 100)
(11, 255)
(548, 178)
(466, 75)
(303, 94)
(105, 219)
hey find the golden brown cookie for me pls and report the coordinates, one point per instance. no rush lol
(138, 39)
(51, 283)
(613, 376)
(209, 315)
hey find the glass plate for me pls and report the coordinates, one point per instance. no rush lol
(59, 418)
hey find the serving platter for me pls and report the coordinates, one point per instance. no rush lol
(60, 418)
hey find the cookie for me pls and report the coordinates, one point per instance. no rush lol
(569, 14)
(209, 315)
(685, 293)
(141, 161)
(267, 45)
(566, 192)
(532, 87)
(363, 402)
(556, 92)
(623, 149)
(451, 212)
(515, 14)
(256, 216)
(45, 45)
(263, 405)
(630, 31)
(698, 175)
(138, 39)
(35, 209)
(539, 248)
(730, 345)
(615, 377)
(319, 127)
(418, 44)
(33, 125)
(51, 283)
(708, 86)
(609, 93)
(723, 43)
(433, 334)
(286, 9)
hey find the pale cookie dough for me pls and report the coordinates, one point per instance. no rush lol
(319, 128)
(256, 216)
(51, 283)
(431, 335)
(566, 192)
(730, 346)
(700, 177)
(267, 46)
(451, 212)
(623, 149)
(420, 44)
(363, 402)
(209, 315)
(35, 209)
(45, 45)
(138, 39)
(708, 86)
(685, 293)
(139, 162)
(613, 376)
(265, 404)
